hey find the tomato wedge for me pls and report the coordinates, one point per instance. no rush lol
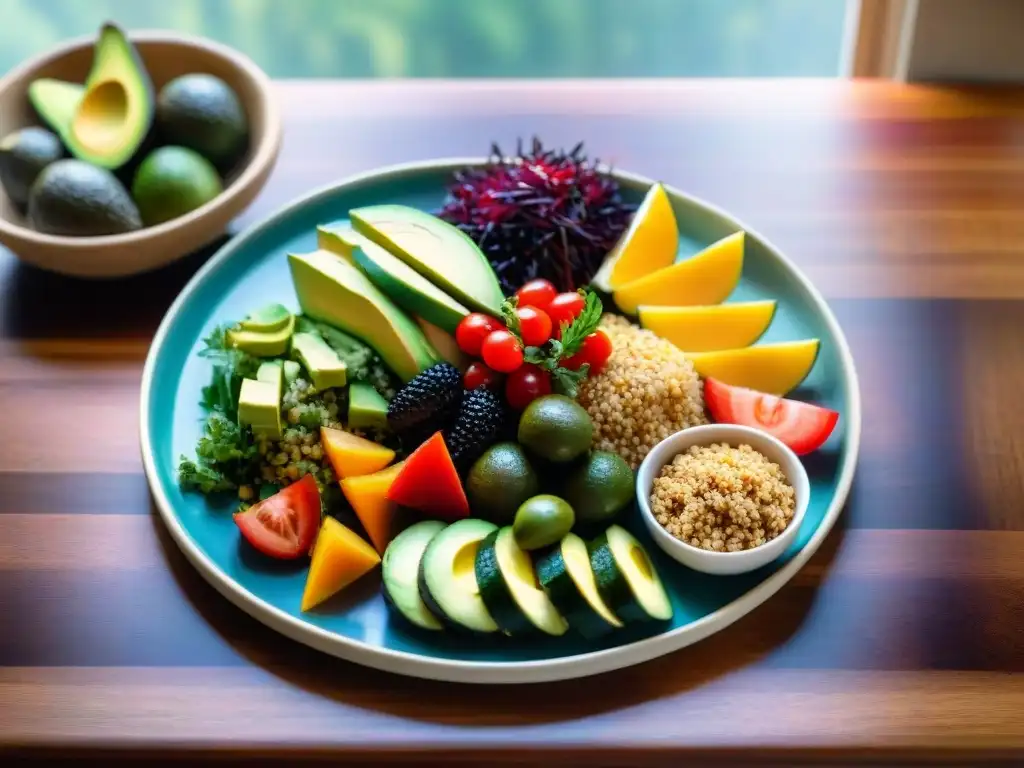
(801, 426)
(284, 526)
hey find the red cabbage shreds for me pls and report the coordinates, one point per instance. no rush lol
(547, 213)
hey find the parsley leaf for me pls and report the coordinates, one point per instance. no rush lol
(583, 325)
(566, 381)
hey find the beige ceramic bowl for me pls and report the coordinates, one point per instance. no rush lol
(165, 55)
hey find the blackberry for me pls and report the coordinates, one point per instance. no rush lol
(428, 403)
(477, 427)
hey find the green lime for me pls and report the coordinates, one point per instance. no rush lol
(172, 181)
(556, 428)
(499, 481)
(600, 487)
(541, 521)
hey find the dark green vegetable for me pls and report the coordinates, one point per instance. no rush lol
(225, 457)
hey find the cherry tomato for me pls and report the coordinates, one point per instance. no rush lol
(595, 351)
(284, 526)
(801, 426)
(502, 351)
(564, 308)
(479, 375)
(525, 385)
(473, 329)
(536, 293)
(534, 326)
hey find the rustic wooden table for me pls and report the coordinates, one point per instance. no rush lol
(902, 639)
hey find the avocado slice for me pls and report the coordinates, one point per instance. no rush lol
(330, 289)
(437, 250)
(508, 587)
(114, 117)
(77, 199)
(396, 279)
(366, 408)
(447, 579)
(400, 573)
(263, 344)
(259, 401)
(445, 344)
(272, 317)
(55, 101)
(626, 579)
(325, 368)
(566, 575)
(23, 156)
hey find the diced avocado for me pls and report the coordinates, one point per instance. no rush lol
(626, 579)
(397, 280)
(447, 579)
(272, 317)
(259, 344)
(259, 402)
(76, 199)
(566, 575)
(23, 156)
(114, 117)
(508, 587)
(437, 250)
(366, 408)
(400, 573)
(292, 369)
(330, 289)
(325, 368)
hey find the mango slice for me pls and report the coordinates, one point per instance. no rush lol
(772, 368)
(707, 278)
(368, 495)
(712, 327)
(352, 455)
(339, 558)
(650, 243)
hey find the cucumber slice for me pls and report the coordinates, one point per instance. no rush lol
(567, 577)
(508, 586)
(447, 578)
(400, 573)
(626, 579)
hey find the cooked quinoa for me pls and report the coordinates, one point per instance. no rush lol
(723, 499)
(647, 391)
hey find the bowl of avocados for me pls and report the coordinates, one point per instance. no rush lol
(122, 152)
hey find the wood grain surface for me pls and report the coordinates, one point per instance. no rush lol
(902, 640)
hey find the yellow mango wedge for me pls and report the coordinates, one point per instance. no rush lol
(772, 368)
(368, 495)
(712, 327)
(352, 455)
(650, 243)
(707, 278)
(339, 558)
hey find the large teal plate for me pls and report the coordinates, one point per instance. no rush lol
(252, 270)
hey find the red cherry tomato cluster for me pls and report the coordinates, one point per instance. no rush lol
(541, 312)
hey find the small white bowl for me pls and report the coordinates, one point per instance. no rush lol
(722, 563)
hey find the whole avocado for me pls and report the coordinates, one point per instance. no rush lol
(172, 181)
(556, 428)
(23, 156)
(499, 482)
(201, 112)
(77, 199)
(600, 487)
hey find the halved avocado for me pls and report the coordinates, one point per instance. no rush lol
(332, 290)
(509, 587)
(567, 577)
(447, 579)
(399, 282)
(55, 101)
(400, 573)
(114, 117)
(626, 579)
(437, 250)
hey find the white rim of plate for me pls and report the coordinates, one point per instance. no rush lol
(543, 670)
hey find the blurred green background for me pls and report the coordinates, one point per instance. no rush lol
(470, 38)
